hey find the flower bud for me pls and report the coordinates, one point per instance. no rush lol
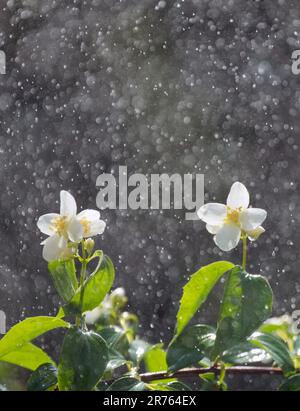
(254, 234)
(118, 298)
(89, 245)
(129, 321)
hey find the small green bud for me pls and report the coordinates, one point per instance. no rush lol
(89, 245)
(118, 298)
(129, 321)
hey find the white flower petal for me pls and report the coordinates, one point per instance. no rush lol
(252, 218)
(228, 237)
(90, 215)
(238, 196)
(213, 229)
(212, 213)
(75, 230)
(96, 228)
(92, 316)
(45, 223)
(68, 205)
(254, 234)
(54, 247)
(67, 252)
(62, 242)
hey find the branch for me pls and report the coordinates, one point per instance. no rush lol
(188, 372)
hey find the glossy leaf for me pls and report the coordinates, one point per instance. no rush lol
(43, 379)
(137, 350)
(170, 386)
(115, 360)
(117, 343)
(115, 337)
(127, 384)
(190, 347)
(63, 274)
(245, 354)
(96, 286)
(28, 330)
(196, 291)
(277, 349)
(83, 360)
(247, 303)
(28, 356)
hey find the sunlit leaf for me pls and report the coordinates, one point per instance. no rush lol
(196, 291)
(28, 356)
(156, 359)
(245, 354)
(96, 286)
(28, 330)
(277, 349)
(63, 274)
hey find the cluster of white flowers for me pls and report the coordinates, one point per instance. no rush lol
(67, 227)
(228, 223)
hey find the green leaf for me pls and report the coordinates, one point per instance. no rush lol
(83, 360)
(28, 330)
(28, 356)
(127, 384)
(275, 326)
(115, 360)
(178, 386)
(43, 379)
(63, 274)
(60, 313)
(156, 359)
(137, 350)
(96, 286)
(196, 291)
(291, 384)
(277, 349)
(212, 382)
(247, 303)
(115, 338)
(170, 386)
(117, 343)
(297, 345)
(190, 347)
(245, 353)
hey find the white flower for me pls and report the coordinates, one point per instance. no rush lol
(67, 226)
(229, 222)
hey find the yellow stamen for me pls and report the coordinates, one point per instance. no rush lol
(59, 225)
(86, 226)
(233, 216)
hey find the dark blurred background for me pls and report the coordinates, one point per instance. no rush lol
(160, 86)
